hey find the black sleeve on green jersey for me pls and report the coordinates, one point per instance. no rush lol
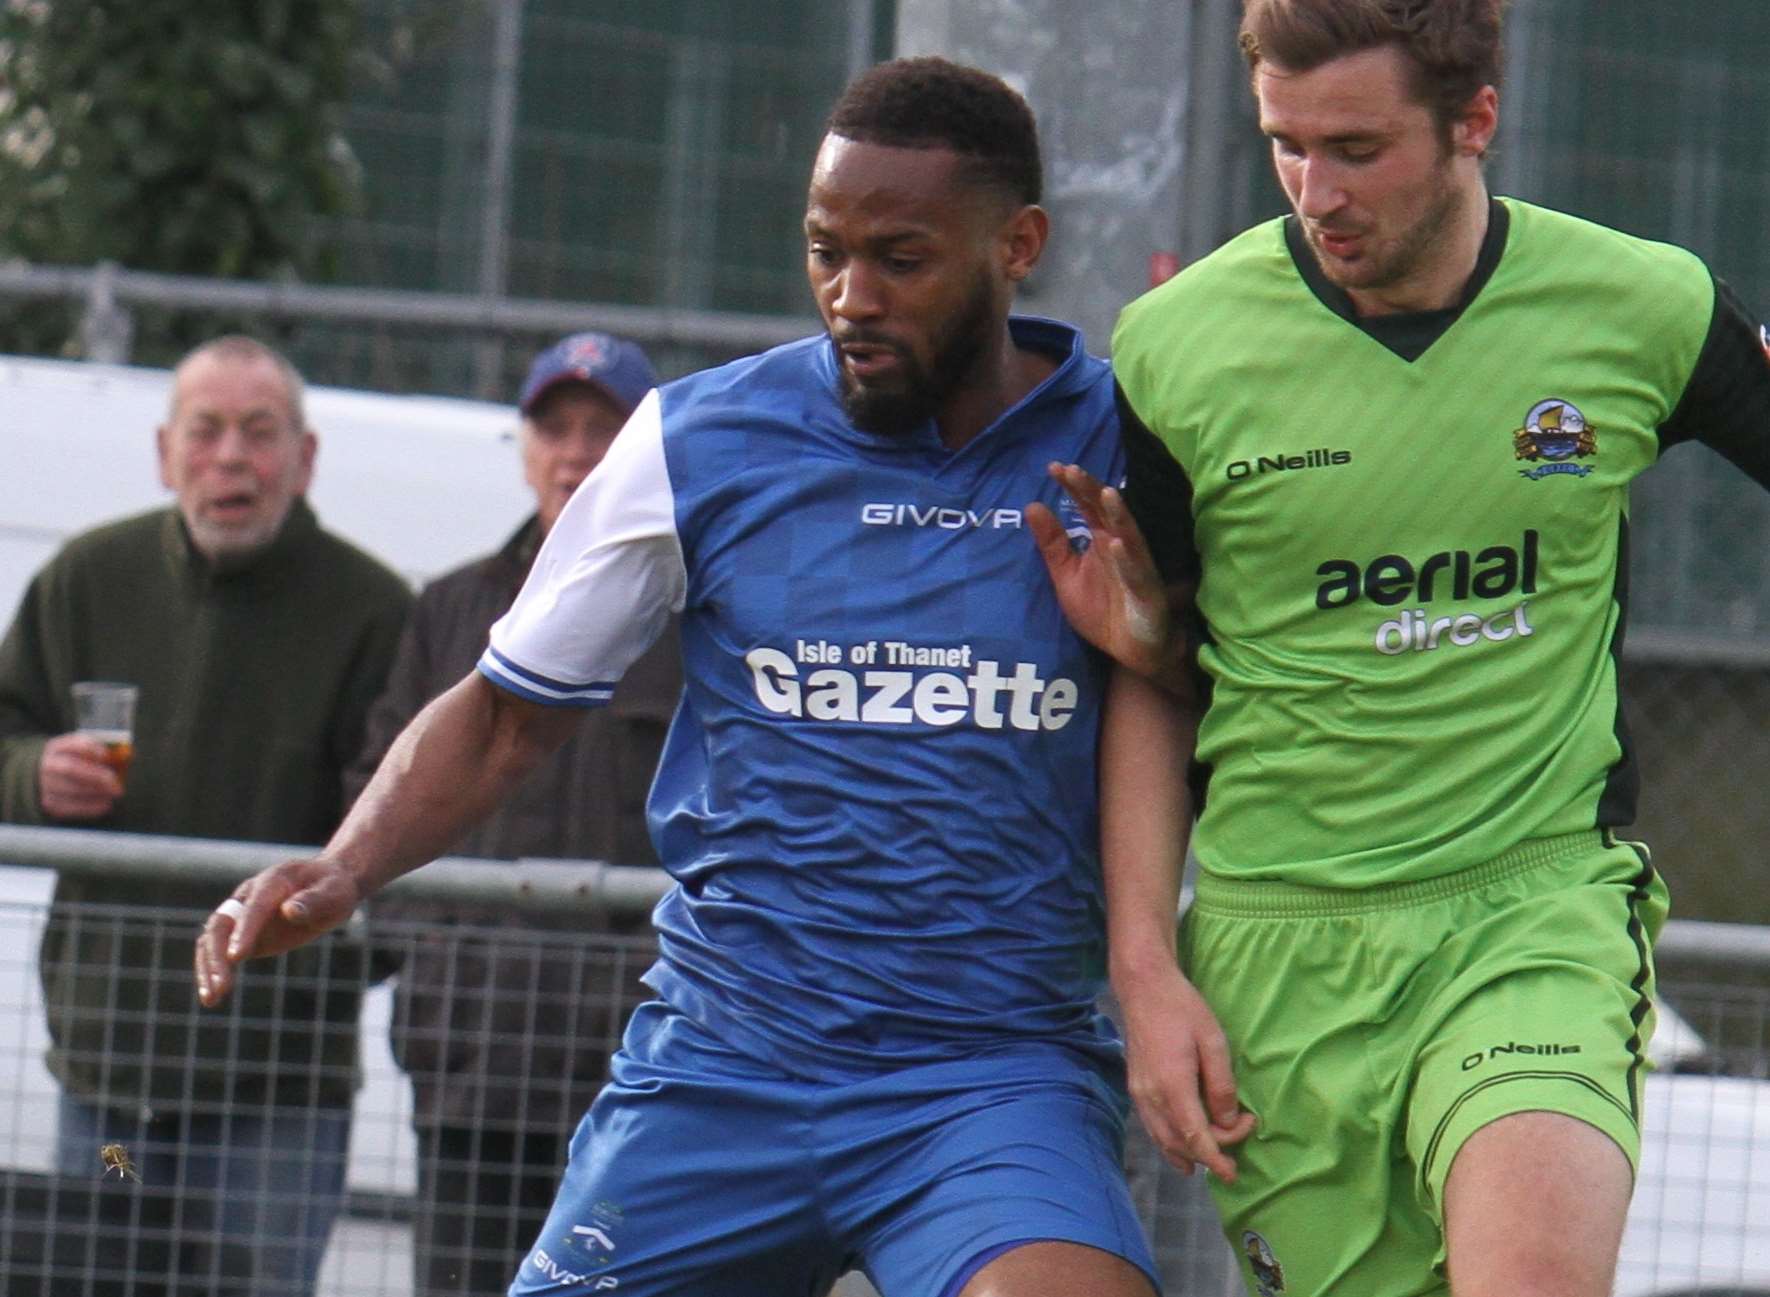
(1726, 405)
(1159, 495)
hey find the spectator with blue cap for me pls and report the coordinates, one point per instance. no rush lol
(577, 395)
(504, 1033)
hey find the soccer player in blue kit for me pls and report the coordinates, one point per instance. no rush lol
(874, 1043)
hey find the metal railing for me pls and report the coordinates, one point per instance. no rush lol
(107, 289)
(1702, 1213)
(531, 886)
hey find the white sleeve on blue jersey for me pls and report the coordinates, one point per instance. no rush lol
(607, 578)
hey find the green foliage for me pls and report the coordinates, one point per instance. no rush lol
(189, 136)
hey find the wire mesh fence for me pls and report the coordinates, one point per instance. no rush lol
(648, 156)
(1700, 1218)
(430, 1196)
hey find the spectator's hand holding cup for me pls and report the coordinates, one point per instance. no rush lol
(81, 775)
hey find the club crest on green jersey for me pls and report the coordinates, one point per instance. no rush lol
(1268, 1273)
(1557, 431)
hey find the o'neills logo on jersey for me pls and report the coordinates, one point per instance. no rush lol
(880, 514)
(1284, 463)
(1392, 580)
(1557, 431)
(892, 682)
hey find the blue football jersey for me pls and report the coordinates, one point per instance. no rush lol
(878, 794)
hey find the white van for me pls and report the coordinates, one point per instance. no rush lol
(423, 483)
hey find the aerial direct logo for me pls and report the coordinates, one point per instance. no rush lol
(1490, 573)
(1417, 632)
(1391, 579)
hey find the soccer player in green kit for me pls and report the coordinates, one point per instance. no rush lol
(1387, 443)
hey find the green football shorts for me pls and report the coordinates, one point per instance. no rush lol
(1374, 1031)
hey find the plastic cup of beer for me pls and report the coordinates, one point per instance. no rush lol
(104, 711)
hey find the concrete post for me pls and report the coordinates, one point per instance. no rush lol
(1110, 85)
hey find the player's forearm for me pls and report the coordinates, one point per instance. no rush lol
(452, 766)
(1175, 670)
(1173, 674)
(1145, 819)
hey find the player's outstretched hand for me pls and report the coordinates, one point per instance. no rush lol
(275, 910)
(1110, 592)
(1180, 1076)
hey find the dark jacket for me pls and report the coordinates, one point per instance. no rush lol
(502, 1019)
(254, 684)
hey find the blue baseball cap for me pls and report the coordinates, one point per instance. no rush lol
(615, 366)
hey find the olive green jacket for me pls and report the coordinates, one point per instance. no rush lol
(255, 684)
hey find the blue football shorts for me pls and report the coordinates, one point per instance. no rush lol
(699, 1172)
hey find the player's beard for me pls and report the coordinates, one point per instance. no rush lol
(920, 390)
(1408, 252)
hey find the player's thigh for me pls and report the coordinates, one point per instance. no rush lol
(1535, 1203)
(1323, 1202)
(1523, 1126)
(1586, 1055)
(685, 1181)
(1540, 1030)
(989, 1160)
(1040, 1269)
(1550, 1012)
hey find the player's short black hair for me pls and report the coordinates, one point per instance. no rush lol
(926, 103)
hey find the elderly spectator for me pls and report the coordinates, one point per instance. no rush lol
(506, 1038)
(257, 642)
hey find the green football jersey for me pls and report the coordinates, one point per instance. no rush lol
(1411, 545)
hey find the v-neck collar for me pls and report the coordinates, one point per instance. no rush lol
(1410, 333)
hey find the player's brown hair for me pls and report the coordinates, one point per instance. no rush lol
(1453, 47)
